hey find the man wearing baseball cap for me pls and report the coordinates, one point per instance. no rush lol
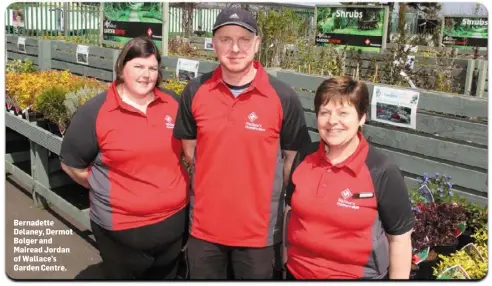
(241, 129)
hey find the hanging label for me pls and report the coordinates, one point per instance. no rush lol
(82, 54)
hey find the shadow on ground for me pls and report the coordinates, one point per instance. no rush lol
(92, 272)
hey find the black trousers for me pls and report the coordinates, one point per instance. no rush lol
(208, 260)
(289, 276)
(145, 253)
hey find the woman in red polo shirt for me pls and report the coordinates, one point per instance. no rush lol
(120, 146)
(348, 213)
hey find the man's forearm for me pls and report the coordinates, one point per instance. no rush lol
(189, 150)
(80, 176)
(288, 160)
(400, 259)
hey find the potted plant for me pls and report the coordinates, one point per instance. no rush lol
(441, 187)
(435, 232)
(50, 104)
(450, 227)
(15, 67)
(75, 99)
(476, 218)
(473, 258)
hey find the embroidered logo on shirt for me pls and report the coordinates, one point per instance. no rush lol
(343, 201)
(346, 194)
(169, 121)
(252, 117)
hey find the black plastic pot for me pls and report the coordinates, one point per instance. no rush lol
(465, 239)
(32, 116)
(414, 271)
(446, 249)
(53, 128)
(425, 271)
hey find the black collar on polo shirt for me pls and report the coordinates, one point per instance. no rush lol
(260, 81)
(113, 99)
(354, 162)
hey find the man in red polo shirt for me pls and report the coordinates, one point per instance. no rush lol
(241, 129)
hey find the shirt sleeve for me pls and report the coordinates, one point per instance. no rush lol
(394, 206)
(294, 134)
(185, 126)
(300, 156)
(79, 146)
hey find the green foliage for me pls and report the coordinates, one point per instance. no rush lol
(174, 85)
(91, 38)
(476, 216)
(182, 47)
(440, 186)
(278, 28)
(415, 196)
(75, 99)
(50, 104)
(154, 12)
(328, 28)
(116, 11)
(19, 66)
(307, 58)
(474, 267)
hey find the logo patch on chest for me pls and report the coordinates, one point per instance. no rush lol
(344, 201)
(252, 117)
(169, 122)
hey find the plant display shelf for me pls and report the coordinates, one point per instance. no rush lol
(39, 182)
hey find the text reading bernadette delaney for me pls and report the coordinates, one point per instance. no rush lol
(38, 246)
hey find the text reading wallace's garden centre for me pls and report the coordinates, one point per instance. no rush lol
(36, 247)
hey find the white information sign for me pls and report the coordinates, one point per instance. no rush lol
(393, 106)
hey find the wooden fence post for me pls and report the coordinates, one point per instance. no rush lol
(39, 171)
(44, 56)
(116, 54)
(482, 75)
(470, 69)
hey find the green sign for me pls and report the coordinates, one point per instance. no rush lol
(126, 20)
(465, 31)
(357, 27)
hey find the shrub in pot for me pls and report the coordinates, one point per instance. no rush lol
(75, 99)
(441, 187)
(476, 218)
(19, 66)
(436, 227)
(436, 224)
(50, 105)
(475, 263)
(24, 88)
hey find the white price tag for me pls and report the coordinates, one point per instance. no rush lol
(187, 69)
(82, 54)
(209, 46)
(21, 44)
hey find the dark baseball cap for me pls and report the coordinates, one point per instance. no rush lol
(236, 16)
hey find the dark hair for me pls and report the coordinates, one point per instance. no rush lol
(139, 47)
(343, 89)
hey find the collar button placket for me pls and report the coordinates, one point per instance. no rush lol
(232, 110)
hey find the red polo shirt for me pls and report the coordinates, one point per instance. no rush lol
(237, 178)
(340, 213)
(136, 177)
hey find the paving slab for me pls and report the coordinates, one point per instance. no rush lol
(45, 244)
